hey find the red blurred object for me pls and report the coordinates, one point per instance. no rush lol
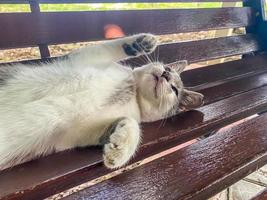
(113, 31)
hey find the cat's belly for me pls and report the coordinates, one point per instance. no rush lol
(87, 128)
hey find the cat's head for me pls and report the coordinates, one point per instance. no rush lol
(161, 93)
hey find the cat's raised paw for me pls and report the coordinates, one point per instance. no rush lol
(145, 42)
(122, 144)
(142, 44)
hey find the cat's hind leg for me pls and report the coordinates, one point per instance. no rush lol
(121, 142)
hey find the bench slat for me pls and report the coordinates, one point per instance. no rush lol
(195, 172)
(232, 88)
(200, 78)
(66, 27)
(57, 172)
(206, 49)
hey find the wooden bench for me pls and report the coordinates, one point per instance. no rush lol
(233, 91)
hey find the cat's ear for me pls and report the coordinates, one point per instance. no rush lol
(190, 100)
(179, 66)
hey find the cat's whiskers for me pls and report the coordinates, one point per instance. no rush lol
(142, 59)
(166, 114)
(160, 100)
(180, 55)
(146, 59)
(160, 106)
(157, 54)
(185, 56)
(146, 56)
(153, 55)
(165, 107)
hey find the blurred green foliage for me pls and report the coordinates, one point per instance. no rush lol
(14, 8)
(109, 6)
(125, 6)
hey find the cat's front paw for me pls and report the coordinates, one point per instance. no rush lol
(122, 144)
(141, 44)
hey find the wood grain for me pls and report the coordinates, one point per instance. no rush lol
(233, 87)
(206, 49)
(195, 172)
(200, 78)
(44, 51)
(35, 10)
(66, 27)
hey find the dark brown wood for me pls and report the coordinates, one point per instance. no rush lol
(201, 78)
(37, 179)
(195, 172)
(65, 27)
(35, 10)
(44, 51)
(34, 5)
(46, 176)
(233, 87)
(261, 196)
(211, 49)
(108, 1)
(206, 49)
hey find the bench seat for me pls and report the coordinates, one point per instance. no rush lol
(198, 171)
(233, 91)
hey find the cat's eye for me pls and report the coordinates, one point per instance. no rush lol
(174, 90)
(167, 69)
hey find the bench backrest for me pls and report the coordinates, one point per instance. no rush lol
(61, 171)
(45, 28)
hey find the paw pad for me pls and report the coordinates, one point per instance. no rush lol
(144, 43)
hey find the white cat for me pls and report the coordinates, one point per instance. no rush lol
(86, 99)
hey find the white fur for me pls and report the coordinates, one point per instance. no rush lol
(123, 143)
(64, 104)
